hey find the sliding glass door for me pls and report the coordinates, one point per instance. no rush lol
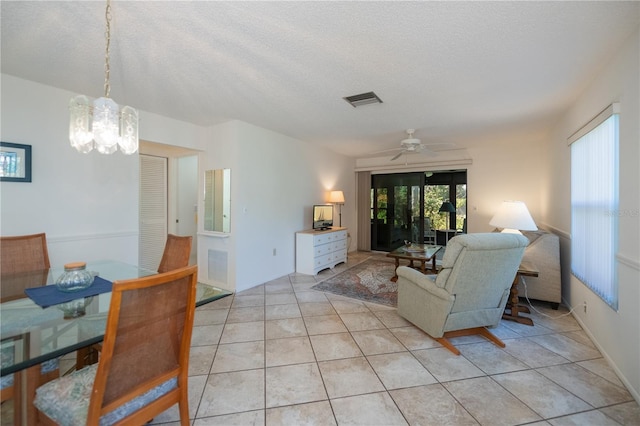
(406, 206)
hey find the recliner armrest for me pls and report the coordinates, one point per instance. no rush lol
(423, 281)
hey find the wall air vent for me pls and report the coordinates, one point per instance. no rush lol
(363, 99)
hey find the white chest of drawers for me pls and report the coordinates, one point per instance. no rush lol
(318, 250)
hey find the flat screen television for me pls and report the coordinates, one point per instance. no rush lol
(322, 217)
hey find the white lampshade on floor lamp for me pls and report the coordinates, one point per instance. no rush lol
(513, 217)
(337, 197)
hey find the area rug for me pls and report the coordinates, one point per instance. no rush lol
(369, 281)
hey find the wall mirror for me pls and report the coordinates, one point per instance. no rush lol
(217, 200)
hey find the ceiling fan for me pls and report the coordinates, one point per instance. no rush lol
(412, 145)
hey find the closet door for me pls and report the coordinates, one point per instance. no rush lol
(153, 210)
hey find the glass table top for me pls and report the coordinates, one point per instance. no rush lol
(31, 335)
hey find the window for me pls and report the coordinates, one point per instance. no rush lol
(594, 205)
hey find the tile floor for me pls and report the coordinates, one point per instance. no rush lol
(284, 354)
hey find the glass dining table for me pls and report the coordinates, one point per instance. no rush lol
(33, 334)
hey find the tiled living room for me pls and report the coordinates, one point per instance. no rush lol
(284, 354)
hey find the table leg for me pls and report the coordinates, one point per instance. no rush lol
(513, 305)
(395, 271)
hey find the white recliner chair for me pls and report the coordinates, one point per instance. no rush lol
(470, 291)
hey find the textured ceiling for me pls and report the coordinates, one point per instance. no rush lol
(451, 70)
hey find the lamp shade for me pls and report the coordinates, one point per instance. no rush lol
(513, 215)
(447, 207)
(336, 197)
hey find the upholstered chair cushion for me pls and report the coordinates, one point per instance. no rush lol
(66, 400)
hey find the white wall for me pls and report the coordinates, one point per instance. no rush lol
(275, 180)
(86, 204)
(617, 334)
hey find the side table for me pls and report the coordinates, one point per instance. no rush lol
(526, 269)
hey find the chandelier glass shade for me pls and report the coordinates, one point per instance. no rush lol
(101, 123)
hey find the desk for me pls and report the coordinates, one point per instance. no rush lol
(526, 269)
(422, 253)
(37, 335)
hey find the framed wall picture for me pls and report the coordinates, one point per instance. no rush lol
(15, 162)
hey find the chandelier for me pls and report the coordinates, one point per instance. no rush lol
(101, 123)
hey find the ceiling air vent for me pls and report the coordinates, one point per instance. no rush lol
(363, 99)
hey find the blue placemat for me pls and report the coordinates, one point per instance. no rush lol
(49, 295)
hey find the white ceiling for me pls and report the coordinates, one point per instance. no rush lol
(452, 70)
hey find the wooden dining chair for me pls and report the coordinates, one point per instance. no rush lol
(176, 253)
(24, 262)
(144, 364)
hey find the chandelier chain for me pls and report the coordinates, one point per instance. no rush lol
(107, 67)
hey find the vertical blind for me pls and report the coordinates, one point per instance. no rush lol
(594, 205)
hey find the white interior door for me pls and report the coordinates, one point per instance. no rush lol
(153, 210)
(187, 199)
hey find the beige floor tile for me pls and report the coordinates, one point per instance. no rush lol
(431, 405)
(243, 332)
(313, 413)
(224, 303)
(311, 296)
(553, 402)
(583, 383)
(346, 377)
(210, 316)
(557, 321)
(445, 366)
(489, 403)
(248, 300)
(314, 309)
(281, 285)
(361, 321)
(249, 418)
(290, 310)
(373, 342)
(291, 327)
(367, 410)
(525, 330)
(249, 314)
(234, 392)
(566, 347)
(344, 306)
(302, 279)
(580, 337)
(280, 298)
(627, 413)
(294, 384)
(594, 417)
(378, 307)
(413, 338)
(324, 324)
(334, 346)
(206, 335)
(292, 350)
(239, 356)
(255, 291)
(308, 286)
(503, 332)
(390, 318)
(532, 353)
(601, 367)
(490, 358)
(201, 359)
(400, 370)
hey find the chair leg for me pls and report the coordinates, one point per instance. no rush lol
(468, 332)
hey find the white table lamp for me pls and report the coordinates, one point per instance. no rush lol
(512, 217)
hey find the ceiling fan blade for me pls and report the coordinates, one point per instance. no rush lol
(395, 157)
